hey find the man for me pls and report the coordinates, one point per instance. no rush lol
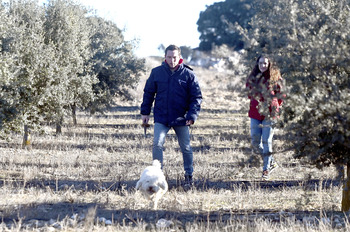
(174, 88)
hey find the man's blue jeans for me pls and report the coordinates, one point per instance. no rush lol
(183, 137)
(262, 133)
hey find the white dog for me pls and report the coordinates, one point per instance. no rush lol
(152, 183)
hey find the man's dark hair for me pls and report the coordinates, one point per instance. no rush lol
(173, 48)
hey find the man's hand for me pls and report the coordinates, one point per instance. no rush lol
(189, 122)
(145, 119)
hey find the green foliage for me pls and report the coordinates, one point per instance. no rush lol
(216, 23)
(46, 63)
(25, 55)
(186, 52)
(67, 29)
(113, 62)
(7, 95)
(310, 41)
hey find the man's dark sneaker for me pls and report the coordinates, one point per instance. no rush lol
(188, 181)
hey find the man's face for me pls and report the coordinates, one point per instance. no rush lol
(172, 58)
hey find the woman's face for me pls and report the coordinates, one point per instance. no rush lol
(263, 64)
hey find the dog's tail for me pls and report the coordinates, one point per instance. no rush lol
(157, 164)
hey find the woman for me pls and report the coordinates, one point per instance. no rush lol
(264, 91)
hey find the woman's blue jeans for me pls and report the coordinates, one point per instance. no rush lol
(262, 133)
(183, 137)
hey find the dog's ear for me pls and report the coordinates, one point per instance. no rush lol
(138, 185)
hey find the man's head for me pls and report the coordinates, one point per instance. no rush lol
(172, 56)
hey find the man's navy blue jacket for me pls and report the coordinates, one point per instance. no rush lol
(177, 95)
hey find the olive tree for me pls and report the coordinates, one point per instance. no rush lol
(57, 58)
(9, 97)
(113, 62)
(30, 66)
(214, 23)
(66, 27)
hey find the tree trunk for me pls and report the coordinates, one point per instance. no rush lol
(26, 137)
(345, 203)
(59, 127)
(74, 114)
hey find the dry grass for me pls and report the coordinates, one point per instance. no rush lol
(89, 172)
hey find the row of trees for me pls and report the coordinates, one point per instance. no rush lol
(57, 58)
(310, 42)
(214, 24)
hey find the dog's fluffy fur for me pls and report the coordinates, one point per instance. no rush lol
(152, 183)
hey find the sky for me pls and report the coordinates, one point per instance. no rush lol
(153, 22)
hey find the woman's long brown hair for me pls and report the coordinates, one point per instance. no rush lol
(272, 74)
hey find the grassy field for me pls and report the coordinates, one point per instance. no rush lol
(84, 179)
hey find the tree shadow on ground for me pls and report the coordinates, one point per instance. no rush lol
(60, 210)
(137, 217)
(199, 185)
(64, 146)
(310, 184)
